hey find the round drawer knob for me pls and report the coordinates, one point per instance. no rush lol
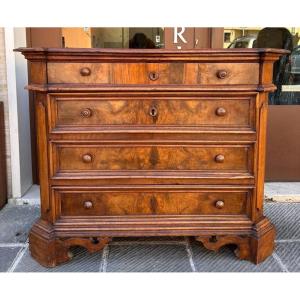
(88, 204)
(86, 113)
(219, 204)
(85, 71)
(221, 74)
(219, 158)
(153, 76)
(87, 158)
(153, 111)
(220, 111)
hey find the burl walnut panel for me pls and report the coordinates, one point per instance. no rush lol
(102, 111)
(153, 73)
(131, 202)
(147, 142)
(235, 158)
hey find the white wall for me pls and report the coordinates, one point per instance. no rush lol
(17, 78)
(4, 100)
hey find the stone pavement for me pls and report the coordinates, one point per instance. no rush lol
(176, 254)
(282, 191)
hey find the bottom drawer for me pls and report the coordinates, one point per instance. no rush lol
(99, 202)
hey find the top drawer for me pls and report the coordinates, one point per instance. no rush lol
(176, 73)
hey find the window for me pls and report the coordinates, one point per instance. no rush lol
(113, 37)
(287, 70)
(227, 37)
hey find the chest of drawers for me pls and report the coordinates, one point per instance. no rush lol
(151, 143)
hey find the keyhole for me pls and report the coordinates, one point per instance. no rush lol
(153, 111)
(153, 76)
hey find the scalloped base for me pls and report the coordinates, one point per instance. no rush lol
(255, 248)
(50, 250)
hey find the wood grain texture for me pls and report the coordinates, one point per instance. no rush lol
(151, 143)
(38, 72)
(42, 140)
(261, 153)
(179, 111)
(151, 55)
(255, 247)
(214, 242)
(140, 73)
(171, 202)
(68, 158)
(50, 251)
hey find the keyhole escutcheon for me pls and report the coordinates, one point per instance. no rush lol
(153, 111)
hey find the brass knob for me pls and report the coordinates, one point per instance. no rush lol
(219, 204)
(219, 158)
(153, 111)
(220, 111)
(85, 71)
(221, 74)
(153, 76)
(86, 113)
(87, 158)
(88, 204)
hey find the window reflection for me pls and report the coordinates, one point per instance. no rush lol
(117, 37)
(141, 41)
(286, 71)
(113, 37)
(286, 74)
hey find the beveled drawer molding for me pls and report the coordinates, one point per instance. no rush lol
(151, 202)
(154, 73)
(99, 111)
(96, 157)
(148, 142)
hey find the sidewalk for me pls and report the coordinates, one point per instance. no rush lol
(282, 191)
(151, 254)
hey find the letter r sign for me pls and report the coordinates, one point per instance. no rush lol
(179, 38)
(179, 34)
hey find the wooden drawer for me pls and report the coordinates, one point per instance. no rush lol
(93, 158)
(154, 73)
(171, 201)
(87, 111)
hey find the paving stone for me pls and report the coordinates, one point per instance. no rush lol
(7, 256)
(226, 261)
(286, 218)
(81, 262)
(144, 256)
(289, 253)
(148, 258)
(16, 221)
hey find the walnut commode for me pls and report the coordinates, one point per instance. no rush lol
(151, 143)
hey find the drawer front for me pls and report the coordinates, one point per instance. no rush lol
(93, 158)
(154, 73)
(174, 111)
(131, 202)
